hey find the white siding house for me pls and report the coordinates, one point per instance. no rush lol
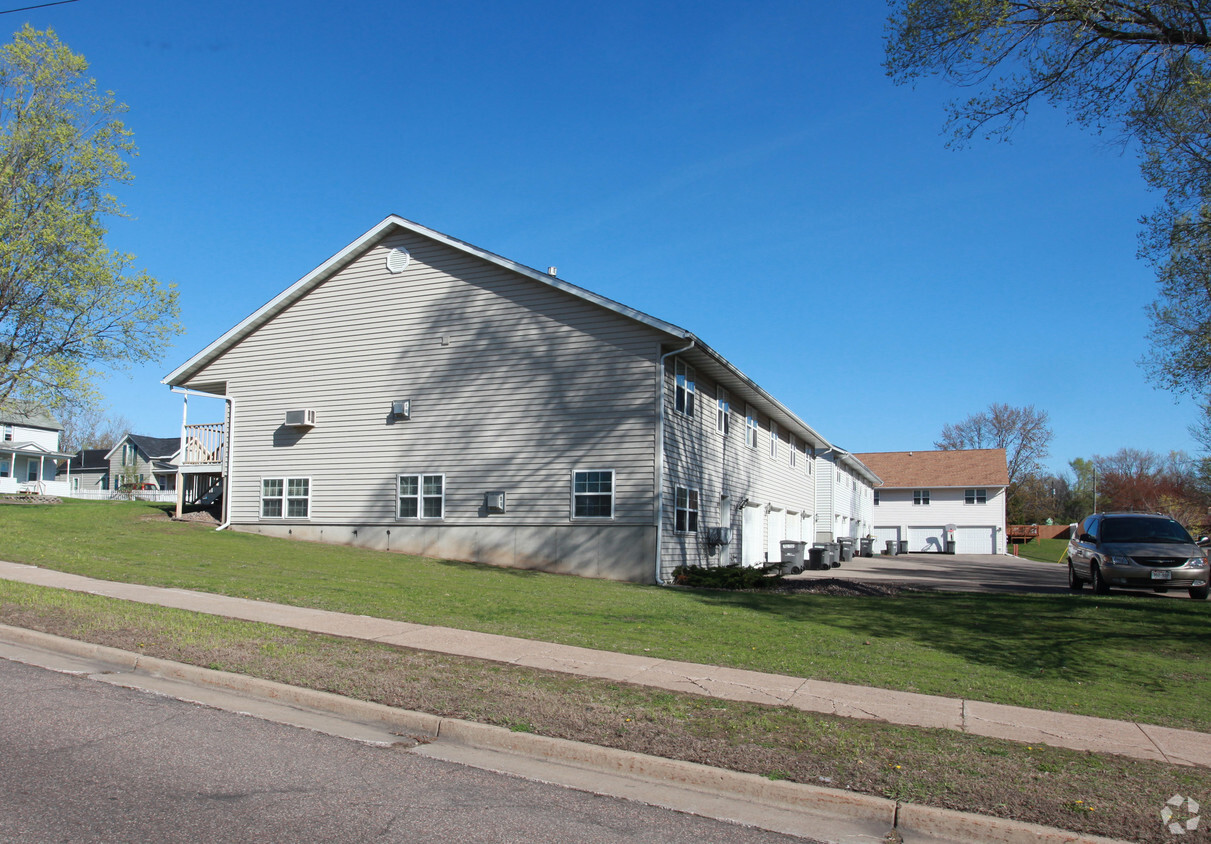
(929, 498)
(29, 451)
(844, 494)
(419, 394)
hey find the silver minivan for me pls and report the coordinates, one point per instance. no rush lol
(1135, 551)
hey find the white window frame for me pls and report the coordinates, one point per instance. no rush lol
(773, 439)
(592, 494)
(8, 433)
(920, 497)
(875, 492)
(420, 497)
(284, 498)
(794, 447)
(723, 411)
(975, 496)
(684, 387)
(690, 509)
(752, 424)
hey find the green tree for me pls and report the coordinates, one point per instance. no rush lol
(1137, 68)
(69, 306)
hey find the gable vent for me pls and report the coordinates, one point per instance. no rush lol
(398, 260)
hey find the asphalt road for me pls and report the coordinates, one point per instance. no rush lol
(82, 761)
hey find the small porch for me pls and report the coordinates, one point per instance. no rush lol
(203, 462)
(30, 469)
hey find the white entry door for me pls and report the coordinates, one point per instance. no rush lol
(751, 523)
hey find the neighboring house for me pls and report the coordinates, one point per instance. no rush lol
(844, 496)
(930, 497)
(87, 472)
(144, 462)
(29, 450)
(420, 394)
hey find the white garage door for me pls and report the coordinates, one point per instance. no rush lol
(775, 532)
(750, 537)
(882, 534)
(926, 539)
(975, 540)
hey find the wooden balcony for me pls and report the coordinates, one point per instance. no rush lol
(205, 447)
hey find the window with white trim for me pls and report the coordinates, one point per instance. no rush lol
(421, 496)
(686, 510)
(773, 439)
(723, 411)
(288, 498)
(876, 492)
(794, 447)
(920, 496)
(8, 433)
(751, 425)
(593, 494)
(684, 398)
(975, 496)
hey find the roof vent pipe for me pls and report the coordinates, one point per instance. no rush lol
(552, 270)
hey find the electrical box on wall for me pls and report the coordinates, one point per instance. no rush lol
(401, 409)
(494, 502)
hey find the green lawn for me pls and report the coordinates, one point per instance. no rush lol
(1119, 656)
(1043, 550)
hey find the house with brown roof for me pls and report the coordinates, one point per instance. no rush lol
(929, 498)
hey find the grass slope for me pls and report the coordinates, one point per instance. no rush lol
(1126, 657)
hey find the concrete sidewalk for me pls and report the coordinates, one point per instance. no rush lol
(1031, 726)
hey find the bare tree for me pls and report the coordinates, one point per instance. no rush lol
(89, 426)
(1022, 431)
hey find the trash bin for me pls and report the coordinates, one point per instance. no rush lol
(903, 546)
(950, 546)
(846, 548)
(825, 558)
(867, 547)
(834, 554)
(891, 548)
(816, 558)
(792, 555)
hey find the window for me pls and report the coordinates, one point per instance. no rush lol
(8, 433)
(593, 494)
(794, 447)
(422, 497)
(723, 411)
(684, 400)
(975, 496)
(686, 520)
(773, 439)
(920, 496)
(750, 427)
(876, 497)
(288, 497)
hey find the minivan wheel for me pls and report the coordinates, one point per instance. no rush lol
(1074, 582)
(1199, 593)
(1100, 586)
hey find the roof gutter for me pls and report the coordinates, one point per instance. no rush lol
(661, 392)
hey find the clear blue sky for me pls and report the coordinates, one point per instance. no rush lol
(744, 171)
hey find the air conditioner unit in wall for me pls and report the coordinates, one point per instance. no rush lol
(300, 418)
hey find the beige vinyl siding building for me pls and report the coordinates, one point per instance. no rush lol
(515, 382)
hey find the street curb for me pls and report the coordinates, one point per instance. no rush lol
(905, 817)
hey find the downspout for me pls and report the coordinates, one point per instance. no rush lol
(660, 455)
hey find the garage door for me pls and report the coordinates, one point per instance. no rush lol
(975, 540)
(926, 539)
(882, 534)
(775, 532)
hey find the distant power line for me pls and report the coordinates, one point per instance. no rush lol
(39, 6)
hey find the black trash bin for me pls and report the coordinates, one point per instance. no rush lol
(816, 558)
(867, 547)
(950, 546)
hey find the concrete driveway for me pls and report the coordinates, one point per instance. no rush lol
(955, 573)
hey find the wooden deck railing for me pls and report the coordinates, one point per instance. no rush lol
(204, 444)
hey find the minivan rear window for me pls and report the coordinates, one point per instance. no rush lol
(1143, 530)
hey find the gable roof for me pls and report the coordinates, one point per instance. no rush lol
(89, 460)
(701, 354)
(922, 469)
(28, 414)
(151, 447)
